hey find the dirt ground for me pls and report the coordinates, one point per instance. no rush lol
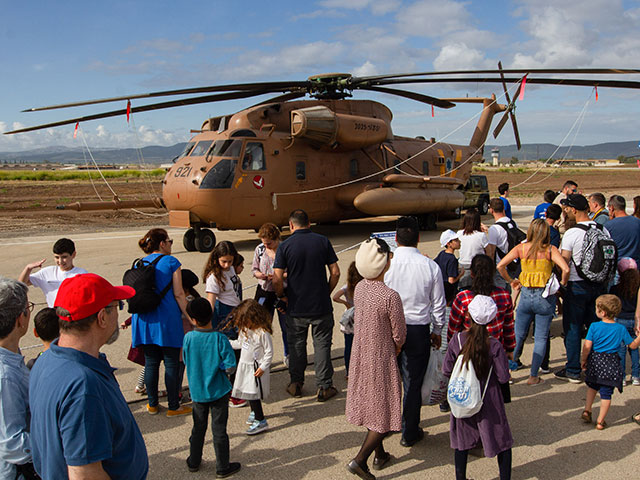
(29, 207)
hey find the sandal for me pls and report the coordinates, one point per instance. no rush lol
(586, 416)
(601, 425)
(636, 418)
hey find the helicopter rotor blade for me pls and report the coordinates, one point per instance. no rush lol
(411, 95)
(282, 98)
(145, 108)
(546, 71)
(515, 129)
(510, 105)
(272, 86)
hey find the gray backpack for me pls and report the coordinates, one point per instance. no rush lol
(598, 257)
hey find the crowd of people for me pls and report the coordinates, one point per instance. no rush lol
(64, 416)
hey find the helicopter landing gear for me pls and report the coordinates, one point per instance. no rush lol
(189, 240)
(205, 240)
(428, 221)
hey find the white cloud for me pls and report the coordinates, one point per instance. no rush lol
(366, 69)
(377, 7)
(458, 56)
(433, 18)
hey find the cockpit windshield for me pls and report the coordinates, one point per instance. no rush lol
(221, 174)
(201, 148)
(187, 149)
(226, 148)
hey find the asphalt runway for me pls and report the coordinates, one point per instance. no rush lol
(310, 440)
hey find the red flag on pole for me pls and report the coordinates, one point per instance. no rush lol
(433, 112)
(128, 109)
(638, 161)
(522, 85)
(75, 130)
(596, 87)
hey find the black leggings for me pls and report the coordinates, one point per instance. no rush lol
(504, 464)
(256, 408)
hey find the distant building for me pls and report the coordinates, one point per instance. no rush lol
(495, 158)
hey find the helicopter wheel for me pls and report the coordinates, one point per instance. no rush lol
(189, 240)
(483, 206)
(458, 212)
(205, 240)
(428, 221)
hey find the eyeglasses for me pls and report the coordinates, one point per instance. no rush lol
(31, 306)
(169, 240)
(120, 305)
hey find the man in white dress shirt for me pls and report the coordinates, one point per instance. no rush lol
(419, 282)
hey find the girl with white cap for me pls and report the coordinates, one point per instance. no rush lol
(489, 427)
(374, 394)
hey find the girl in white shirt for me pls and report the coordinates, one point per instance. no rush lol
(222, 282)
(473, 241)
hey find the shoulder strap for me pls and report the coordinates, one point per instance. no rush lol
(168, 287)
(156, 260)
(487, 382)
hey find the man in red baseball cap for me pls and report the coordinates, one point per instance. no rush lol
(81, 425)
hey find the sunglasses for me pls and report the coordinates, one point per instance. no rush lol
(31, 306)
(169, 240)
(120, 305)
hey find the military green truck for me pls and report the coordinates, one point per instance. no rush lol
(476, 194)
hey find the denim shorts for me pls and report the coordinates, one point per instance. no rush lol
(605, 391)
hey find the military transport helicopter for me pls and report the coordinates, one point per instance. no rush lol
(335, 157)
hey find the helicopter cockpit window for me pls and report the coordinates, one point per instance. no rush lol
(243, 133)
(220, 175)
(187, 150)
(201, 148)
(226, 148)
(301, 171)
(253, 157)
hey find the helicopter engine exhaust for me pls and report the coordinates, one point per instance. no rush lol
(322, 127)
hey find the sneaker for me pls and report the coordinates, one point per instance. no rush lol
(544, 370)
(562, 374)
(258, 426)
(237, 403)
(635, 381)
(140, 389)
(325, 394)
(227, 472)
(152, 410)
(286, 361)
(295, 389)
(444, 407)
(515, 365)
(180, 411)
(252, 418)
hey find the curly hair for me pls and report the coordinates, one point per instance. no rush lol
(250, 315)
(269, 231)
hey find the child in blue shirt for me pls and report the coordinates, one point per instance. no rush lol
(600, 358)
(208, 357)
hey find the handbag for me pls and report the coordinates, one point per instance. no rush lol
(136, 355)
(552, 286)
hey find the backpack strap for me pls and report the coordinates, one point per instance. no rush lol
(506, 226)
(168, 287)
(487, 382)
(586, 228)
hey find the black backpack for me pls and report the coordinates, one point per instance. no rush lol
(515, 236)
(142, 277)
(598, 258)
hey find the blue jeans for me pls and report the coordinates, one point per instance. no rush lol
(579, 312)
(413, 361)
(533, 307)
(635, 356)
(153, 355)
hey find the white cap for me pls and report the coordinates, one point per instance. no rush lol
(482, 309)
(447, 236)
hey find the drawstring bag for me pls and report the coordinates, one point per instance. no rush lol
(464, 394)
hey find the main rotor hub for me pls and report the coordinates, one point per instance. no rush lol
(330, 86)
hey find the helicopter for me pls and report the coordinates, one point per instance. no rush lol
(335, 157)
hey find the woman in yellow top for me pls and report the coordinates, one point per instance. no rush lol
(537, 258)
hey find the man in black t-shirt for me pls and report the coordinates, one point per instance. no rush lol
(305, 256)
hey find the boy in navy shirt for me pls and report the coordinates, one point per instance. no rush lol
(448, 262)
(208, 357)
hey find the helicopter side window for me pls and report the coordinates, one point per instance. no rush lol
(253, 157)
(201, 148)
(425, 167)
(220, 175)
(187, 150)
(226, 148)
(301, 171)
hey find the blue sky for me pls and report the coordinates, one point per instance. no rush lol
(57, 52)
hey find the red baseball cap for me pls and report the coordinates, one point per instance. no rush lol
(86, 294)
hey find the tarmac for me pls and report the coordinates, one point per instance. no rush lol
(311, 440)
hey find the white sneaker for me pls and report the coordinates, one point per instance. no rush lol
(286, 361)
(258, 426)
(635, 381)
(252, 418)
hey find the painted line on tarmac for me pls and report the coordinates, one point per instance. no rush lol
(36, 242)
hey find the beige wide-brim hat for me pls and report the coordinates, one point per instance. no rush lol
(370, 262)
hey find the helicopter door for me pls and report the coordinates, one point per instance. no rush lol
(251, 197)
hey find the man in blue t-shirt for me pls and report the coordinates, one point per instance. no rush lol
(503, 189)
(541, 209)
(624, 229)
(305, 257)
(81, 425)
